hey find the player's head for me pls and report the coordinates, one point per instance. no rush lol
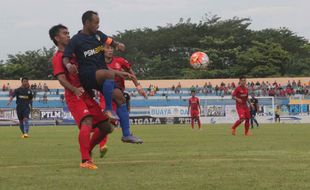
(193, 92)
(242, 80)
(108, 51)
(90, 20)
(25, 82)
(60, 35)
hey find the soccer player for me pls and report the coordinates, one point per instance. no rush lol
(120, 64)
(88, 46)
(24, 97)
(240, 94)
(84, 109)
(253, 110)
(194, 109)
(277, 114)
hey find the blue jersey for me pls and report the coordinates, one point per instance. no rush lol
(89, 50)
(23, 97)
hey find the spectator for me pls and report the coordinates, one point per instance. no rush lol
(11, 92)
(45, 98)
(3, 87)
(173, 88)
(62, 98)
(8, 87)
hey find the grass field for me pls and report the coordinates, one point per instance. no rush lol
(276, 157)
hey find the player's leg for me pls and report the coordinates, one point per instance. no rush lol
(101, 131)
(123, 115)
(256, 122)
(103, 148)
(252, 120)
(105, 79)
(26, 113)
(198, 121)
(247, 122)
(84, 137)
(83, 118)
(21, 122)
(239, 121)
(192, 121)
(101, 124)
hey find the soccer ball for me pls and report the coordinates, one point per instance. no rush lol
(199, 60)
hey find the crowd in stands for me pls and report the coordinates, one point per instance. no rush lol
(264, 88)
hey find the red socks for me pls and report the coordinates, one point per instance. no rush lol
(84, 139)
(103, 142)
(98, 135)
(199, 124)
(238, 122)
(246, 127)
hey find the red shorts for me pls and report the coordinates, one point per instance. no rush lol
(243, 112)
(85, 106)
(195, 113)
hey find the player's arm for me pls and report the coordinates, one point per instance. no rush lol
(122, 74)
(110, 41)
(69, 51)
(30, 96)
(234, 96)
(136, 83)
(257, 107)
(12, 97)
(199, 106)
(66, 84)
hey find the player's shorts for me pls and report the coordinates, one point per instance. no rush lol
(22, 112)
(253, 113)
(88, 79)
(194, 113)
(243, 112)
(85, 106)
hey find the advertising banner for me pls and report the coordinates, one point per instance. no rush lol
(169, 111)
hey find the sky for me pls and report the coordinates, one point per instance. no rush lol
(24, 24)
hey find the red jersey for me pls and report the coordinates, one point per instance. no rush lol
(119, 64)
(194, 103)
(59, 68)
(242, 93)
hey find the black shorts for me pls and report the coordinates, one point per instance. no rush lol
(22, 113)
(253, 113)
(88, 80)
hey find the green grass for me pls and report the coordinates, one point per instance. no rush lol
(276, 157)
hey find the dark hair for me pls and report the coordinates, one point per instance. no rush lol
(87, 16)
(193, 90)
(242, 77)
(54, 31)
(24, 78)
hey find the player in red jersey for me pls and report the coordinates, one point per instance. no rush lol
(194, 109)
(84, 109)
(121, 64)
(240, 94)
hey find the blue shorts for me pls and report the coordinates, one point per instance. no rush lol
(23, 113)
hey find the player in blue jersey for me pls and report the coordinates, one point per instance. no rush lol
(88, 47)
(24, 97)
